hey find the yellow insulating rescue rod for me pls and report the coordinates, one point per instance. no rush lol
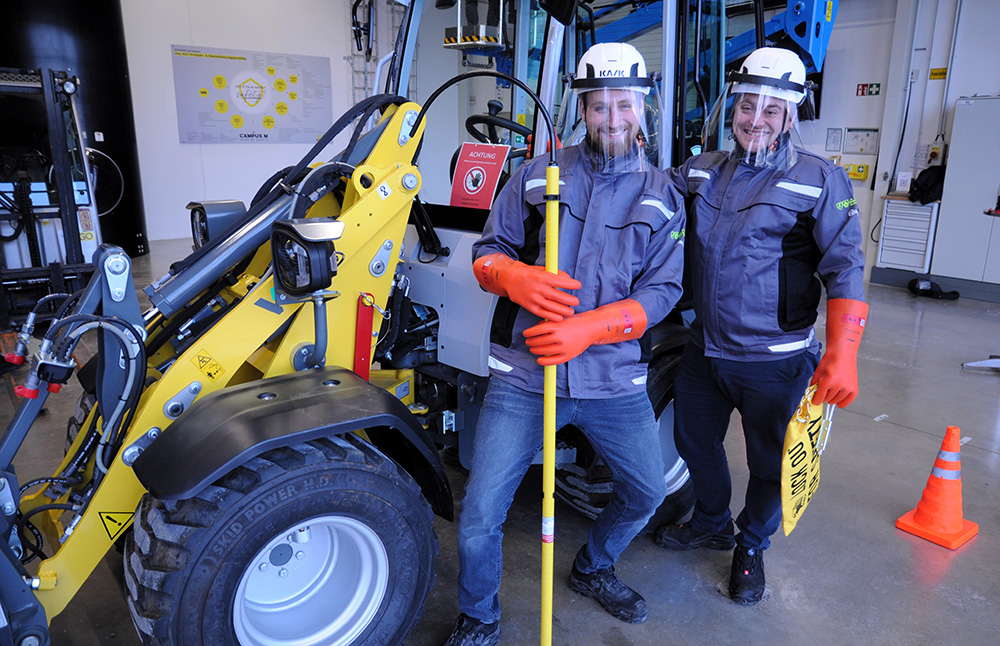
(549, 413)
(549, 394)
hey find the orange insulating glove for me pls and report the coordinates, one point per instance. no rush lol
(836, 377)
(530, 286)
(557, 342)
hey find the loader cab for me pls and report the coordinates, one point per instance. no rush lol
(539, 43)
(690, 44)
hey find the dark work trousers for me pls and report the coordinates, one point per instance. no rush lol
(766, 394)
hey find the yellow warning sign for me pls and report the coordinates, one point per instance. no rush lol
(115, 522)
(207, 365)
(938, 73)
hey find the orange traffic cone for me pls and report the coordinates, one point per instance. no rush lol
(938, 515)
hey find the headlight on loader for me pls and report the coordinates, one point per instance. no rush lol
(211, 218)
(303, 254)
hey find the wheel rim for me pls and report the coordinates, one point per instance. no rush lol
(319, 583)
(675, 471)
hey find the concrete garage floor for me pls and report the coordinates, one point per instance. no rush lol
(845, 576)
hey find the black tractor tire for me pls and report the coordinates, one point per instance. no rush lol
(586, 484)
(325, 542)
(84, 404)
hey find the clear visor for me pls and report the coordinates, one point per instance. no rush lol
(756, 124)
(619, 126)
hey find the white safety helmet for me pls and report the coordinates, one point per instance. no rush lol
(755, 117)
(609, 66)
(773, 71)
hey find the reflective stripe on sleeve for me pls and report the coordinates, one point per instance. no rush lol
(657, 204)
(694, 172)
(536, 183)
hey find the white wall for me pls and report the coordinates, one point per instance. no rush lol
(896, 43)
(975, 69)
(859, 51)
(921, 38)
(864, 40)
(173, 173)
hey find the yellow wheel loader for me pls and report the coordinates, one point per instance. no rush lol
(264, 491)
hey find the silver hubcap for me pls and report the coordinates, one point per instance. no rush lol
(319, 583)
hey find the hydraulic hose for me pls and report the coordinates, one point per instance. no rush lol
(172, 292)
(507, 77)
(316, 184)
(45, 300)
(133, 350)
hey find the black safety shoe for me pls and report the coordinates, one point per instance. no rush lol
(746, 580)
(685, 537)
(617, 598)
(472, 632)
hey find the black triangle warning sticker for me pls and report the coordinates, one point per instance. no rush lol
(203, 360)
(115, 522)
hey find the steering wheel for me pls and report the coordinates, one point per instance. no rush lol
(493, 121)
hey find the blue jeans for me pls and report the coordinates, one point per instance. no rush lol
(766, 394)
(623, 431)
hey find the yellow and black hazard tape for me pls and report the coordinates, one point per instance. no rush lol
(478, 39)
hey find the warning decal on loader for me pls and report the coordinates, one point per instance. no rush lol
(207, 365)
(115, 522)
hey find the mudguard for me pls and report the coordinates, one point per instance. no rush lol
(230, 426)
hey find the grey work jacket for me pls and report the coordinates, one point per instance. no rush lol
(621, 234)
(757, 240)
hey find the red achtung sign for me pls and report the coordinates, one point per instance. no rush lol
(477, 172)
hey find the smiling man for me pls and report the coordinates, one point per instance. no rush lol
(768, 222)
(621, 237)
(758, 120)
(612, 120)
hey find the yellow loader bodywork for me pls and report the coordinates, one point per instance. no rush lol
(256, 339)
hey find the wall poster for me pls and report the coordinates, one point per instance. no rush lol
(235, 96)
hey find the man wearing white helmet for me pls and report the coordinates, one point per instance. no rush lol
(620, 259)
(768, 222)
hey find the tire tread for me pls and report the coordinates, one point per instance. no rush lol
(156, 555)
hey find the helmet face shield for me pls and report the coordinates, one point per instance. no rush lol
(615, 123)
(613, 107)
(756, 116)
(756, 129)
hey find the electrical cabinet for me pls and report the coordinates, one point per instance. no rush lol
(967, 243)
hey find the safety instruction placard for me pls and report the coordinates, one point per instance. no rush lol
(234, 96)
(477, 173)
(207, 365)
